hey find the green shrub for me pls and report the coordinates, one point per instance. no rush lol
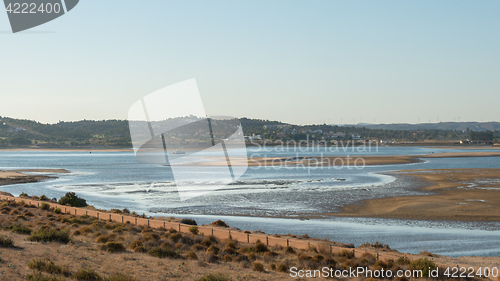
(347, 253)
(45, 206)
(191, 255)
(161, 252)
(404, 260)
(44, 198)
(115, 247)
(282, 268)
(134, 244)
(176, 236)
(214, 277)
(48, 266)
(423, 264)
(257, 266)
(20, 229)
(23, 194)
(47, 234)
(189, 221)
(73, 200)
(58, 211)
(261, 247)
(194, 229)
(214, 249)
(86, 275)
(289, 250)
(6, 242)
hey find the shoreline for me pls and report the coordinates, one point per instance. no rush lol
(341, 160)
(8, 177)
(300, 243)
(456, 195)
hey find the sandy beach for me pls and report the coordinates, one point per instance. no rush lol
(325, 161)
(457, 194)
(15, 176)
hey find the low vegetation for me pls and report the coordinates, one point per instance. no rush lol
(73, 200)
(136, 243)
(48, 234)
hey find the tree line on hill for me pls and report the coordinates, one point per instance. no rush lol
(19, 132)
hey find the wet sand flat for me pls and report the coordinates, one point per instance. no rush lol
(358, 160)
(15, 176)
(459, 194)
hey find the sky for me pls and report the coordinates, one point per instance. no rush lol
(301, 62)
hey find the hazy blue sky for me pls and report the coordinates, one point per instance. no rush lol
(295, 61)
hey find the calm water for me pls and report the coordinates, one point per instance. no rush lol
(118, 180)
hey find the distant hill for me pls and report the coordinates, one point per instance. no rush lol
(459, 126)
(86, 133)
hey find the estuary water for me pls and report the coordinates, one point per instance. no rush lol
(269, 199)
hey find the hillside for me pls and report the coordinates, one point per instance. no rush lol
(115, 133)
(459, 126)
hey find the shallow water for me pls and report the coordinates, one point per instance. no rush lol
(118, 180)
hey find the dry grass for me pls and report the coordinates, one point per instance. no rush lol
(92, 249)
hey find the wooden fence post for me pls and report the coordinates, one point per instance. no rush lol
(109, 216)
(148, 222)
(164, 225)
(135, 220)
(229, 234)
(179, 227)
(122, 219)
(330, 248)
(86, 213)
(212, 232)
(75, 211)
(267, 240)
(97, 214)
(287, 242)
(248, 237)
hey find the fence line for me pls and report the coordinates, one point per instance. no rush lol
(220, 233)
